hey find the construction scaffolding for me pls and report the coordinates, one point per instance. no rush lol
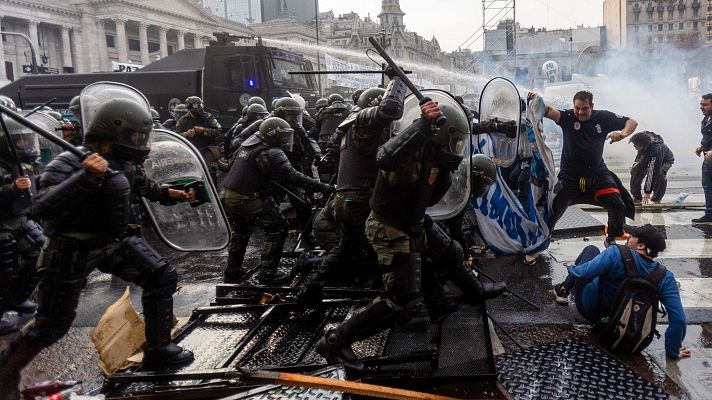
(498, 37)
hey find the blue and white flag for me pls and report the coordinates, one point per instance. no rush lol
(507, 225)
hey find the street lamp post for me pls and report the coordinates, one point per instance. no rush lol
(318, 52)
(34, 68)
(571, 55)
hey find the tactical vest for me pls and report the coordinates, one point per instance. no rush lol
(331, 118)
(244, 176)
(357, 159)
(401, 197)
(92, 213)
(200, 141)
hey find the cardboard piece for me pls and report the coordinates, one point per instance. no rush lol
(118, 335)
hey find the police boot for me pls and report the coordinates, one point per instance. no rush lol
(25, 307)
(335, 345)
(159, 351)
(20, 352)
(313, 291)
(236, 254)
(271, 255)
(474, 291)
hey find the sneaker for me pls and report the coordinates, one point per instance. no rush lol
(562, 295)
(703, 220)
(25, 307)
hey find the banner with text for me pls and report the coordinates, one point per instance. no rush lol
(355, 81)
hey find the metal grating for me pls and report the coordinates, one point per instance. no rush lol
(571, 369)
(577, 220)
(464, 345)
(273, 392)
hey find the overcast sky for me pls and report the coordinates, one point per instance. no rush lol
(453, 21)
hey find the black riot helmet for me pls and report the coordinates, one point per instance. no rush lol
(155, 115)
(321, 103)
(257, 100)
(75, 108)
(289, 110)
(276, 132)
(194, 103)
(179, 111)
(256, 111)
(127, 124)
(356, 95)
(454, 133)
(370, 97)
(335, 98)
(26, 142)
(484, 174)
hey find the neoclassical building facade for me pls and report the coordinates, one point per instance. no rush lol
(89, 35)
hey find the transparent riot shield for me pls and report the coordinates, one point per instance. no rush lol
(500, 100)
(458, 195)
(48, 150)
(174, 161)
(96, 94)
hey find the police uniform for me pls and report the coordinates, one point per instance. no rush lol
(415, 172)
(364, 131)
(205, 141)
(246, 200)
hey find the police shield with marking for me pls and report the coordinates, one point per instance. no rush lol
(197, 226)
(500, 103)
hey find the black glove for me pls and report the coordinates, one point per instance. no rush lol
(328, 190)
(390, 72)
(509, 128)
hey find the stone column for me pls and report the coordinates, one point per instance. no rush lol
(34, 38)
(180, 35)
(87, 43)
(66, 48)
(121, 41)
(3, 76)
(143, 38)
(163, 39)
(75, 37)
(197, 41)
(103, 56)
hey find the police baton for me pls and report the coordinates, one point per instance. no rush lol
(49, 135)
(41, 106)
(441, 120)
(26, 193)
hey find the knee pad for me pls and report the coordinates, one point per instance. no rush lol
(161, 284)
(30, 237)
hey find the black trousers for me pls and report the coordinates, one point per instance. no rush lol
(576, 191)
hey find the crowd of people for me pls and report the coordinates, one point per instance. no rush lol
(376, 185)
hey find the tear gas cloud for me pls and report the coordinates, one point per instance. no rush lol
(653, 92)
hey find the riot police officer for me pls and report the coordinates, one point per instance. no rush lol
(86, 213)
(178, 112)
(244, 194)
(156, 119)
(255, 112)
(201, 129)
(21, 238)
(365, 131)
(330, 118)
(415, 172)
(256, 100)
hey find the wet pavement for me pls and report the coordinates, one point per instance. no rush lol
(687, 256)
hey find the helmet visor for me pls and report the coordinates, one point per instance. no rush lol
(287, 139)
(293, 116)
(139, 140)
(26, 142)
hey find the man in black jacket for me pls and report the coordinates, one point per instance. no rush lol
(652, 163)
(705, 149)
